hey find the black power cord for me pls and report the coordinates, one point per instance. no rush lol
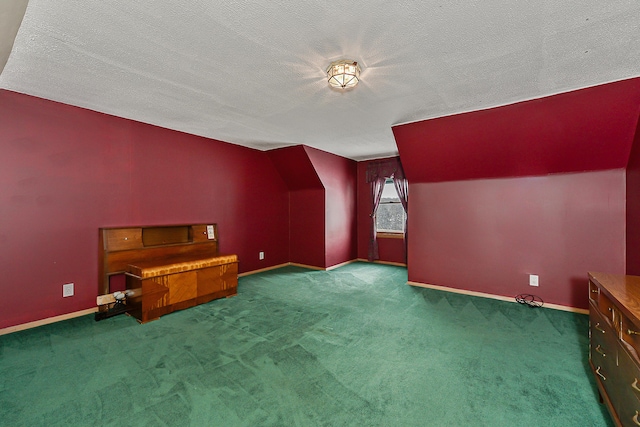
(530, 300)
(119, 306)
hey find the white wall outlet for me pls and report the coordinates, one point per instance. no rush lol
(261, 255)
(67, 290)
(533, 280)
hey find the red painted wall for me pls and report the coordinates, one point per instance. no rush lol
(558, 220)
(633, 207)
(390, 250)
(295, 167)
(338, 176)
(322, 204)
(489, 235)
(307, 227)
(584, 130)
(66, 171)
(306, 205)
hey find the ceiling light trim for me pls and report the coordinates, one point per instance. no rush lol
(343, 74)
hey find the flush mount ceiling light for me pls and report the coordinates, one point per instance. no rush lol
(343, 74)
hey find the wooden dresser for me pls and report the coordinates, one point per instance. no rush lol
(614, 318)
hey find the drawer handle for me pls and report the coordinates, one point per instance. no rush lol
(635, 384)
(630, 332)
(594, 291)
(599, 350)
(635, 418)
(599, 374)
(599, 328)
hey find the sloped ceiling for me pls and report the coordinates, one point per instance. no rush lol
(295, 168)
(252, 72)
(584, 130)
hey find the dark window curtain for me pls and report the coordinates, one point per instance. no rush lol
(376, 194)
(377, 173)
(385, 168)
(402, 188)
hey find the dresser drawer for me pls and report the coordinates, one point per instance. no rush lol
(604, 369)
(630, 417)
(604, 349)
(594, 292)
(607, 308)
(600, 328)
(626, 394)
(630, 335)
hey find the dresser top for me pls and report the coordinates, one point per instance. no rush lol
(624, 290)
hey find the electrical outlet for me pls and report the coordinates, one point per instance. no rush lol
(533, 280)
(261, 255)
(67, 290)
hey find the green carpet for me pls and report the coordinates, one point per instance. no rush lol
(355, 346)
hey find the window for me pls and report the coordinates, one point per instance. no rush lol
(390, 217)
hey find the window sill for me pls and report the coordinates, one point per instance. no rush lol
(389, 235)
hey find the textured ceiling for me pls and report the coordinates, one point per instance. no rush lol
(252, 72)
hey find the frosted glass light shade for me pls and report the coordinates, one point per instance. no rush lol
(343, 74)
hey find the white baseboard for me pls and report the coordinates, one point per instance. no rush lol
(297, 264)
(342, 264)
(397, 264)
(333, 267)
(310, 267)
(260, 270)
(496, 297)
(47, 321)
